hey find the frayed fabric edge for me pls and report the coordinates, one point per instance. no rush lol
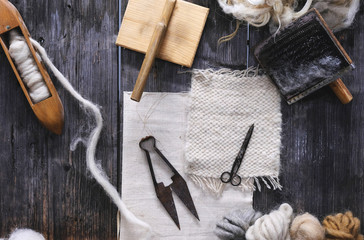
(216, 187)
(250, 72)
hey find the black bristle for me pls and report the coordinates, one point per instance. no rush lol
(302, 57)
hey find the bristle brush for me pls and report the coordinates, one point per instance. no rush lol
(305, 56)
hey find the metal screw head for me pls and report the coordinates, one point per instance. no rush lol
(8, 27)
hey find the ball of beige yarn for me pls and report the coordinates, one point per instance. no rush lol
(306, 227)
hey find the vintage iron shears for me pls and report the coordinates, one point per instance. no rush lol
(233, 176)
(164, 193)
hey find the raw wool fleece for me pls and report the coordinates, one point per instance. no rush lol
(273, 226)
(259, 12)
(339, 14)
(224, 104)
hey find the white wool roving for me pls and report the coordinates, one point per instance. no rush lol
(273, 226)
(26, 234)
(27, 67)
(339, 14)
(138, 228)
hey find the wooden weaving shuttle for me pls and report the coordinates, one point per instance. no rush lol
(164, 193)
(49, 111)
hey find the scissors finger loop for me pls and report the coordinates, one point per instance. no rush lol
(236, 180)
(225, 177)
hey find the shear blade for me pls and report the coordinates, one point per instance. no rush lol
(179, 186)
(164, 195)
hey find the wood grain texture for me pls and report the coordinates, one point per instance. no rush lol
(153, 49)
(46, 188)
(322, 154)
(49, 111)
(43, 185)
(341, 91)
(182, 37)
(322, 140)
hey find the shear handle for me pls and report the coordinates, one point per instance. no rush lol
(152, 139)
(149, 162)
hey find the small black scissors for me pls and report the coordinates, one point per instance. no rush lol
(233, 176)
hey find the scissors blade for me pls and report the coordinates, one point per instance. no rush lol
(247, 45)
(245, 144)
(164, 195)
(179, 186)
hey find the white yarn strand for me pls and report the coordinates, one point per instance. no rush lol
(141, 229)
(27, 67)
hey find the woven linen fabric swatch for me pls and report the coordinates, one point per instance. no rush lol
(164, 115)
(224, 105)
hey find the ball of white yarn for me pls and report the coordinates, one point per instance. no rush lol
(26, 234)
(273, 226)
(307, 227)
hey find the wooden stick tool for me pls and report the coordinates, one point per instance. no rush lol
(50, 110)
(159, 32)
(167, 29)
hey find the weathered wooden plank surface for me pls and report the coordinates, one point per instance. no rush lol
(322, 154)
(47, 188)
(322, 166)
(43, 185)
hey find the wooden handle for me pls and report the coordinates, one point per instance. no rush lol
(341, 91)
(152, 51)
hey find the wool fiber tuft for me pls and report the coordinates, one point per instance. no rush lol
(235, 224)
(26, 234)
(272, 226)
(307, 227)
(342, 226)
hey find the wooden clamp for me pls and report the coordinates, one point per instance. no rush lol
(158, 34)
